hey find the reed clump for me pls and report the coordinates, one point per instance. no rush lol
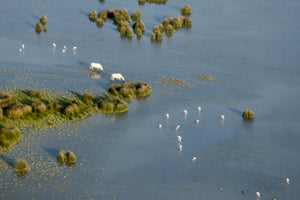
(100, 22)
(16, 111)
(248, 114)
(113, 105)
(21, 167)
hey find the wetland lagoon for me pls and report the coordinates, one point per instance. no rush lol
(66, 132)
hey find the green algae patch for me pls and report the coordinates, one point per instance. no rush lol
(177, 82)
(129, 90)
(205, 77)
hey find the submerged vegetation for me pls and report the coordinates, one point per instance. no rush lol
(158, 2)
(177, 82)
(248, 114)
(205, 77)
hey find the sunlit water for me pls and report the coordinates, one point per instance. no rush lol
(250, 47)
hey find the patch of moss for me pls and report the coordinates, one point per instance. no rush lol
(248, 114)
(21, 167)
(177, 82)
(186, 10)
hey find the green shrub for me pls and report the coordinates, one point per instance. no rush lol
(38, 28)
(103, 15)
(6, 99)
(129, 33)
(39, 106)
(93, 16)
(186, 10)
(54, 106)
(9, 136)
(187, 22)
(99, 22)
(169, 30)
(72, 109)
(139, 33)
(43, 20)
(248, 114)
(21, 167)
(35, 94)
(139, 25)
(156, 29)
(16, 111)
(136, 16)
(123, 31)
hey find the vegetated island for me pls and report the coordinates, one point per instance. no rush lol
(20, 109)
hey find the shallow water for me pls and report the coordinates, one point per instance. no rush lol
(250, 47)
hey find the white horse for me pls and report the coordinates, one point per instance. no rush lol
(117, 76)
(96, 67)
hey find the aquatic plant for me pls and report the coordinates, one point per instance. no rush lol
(166, 22)
(38, 28)
(93, 16)
(169, 30)
(66, 157)
(177, 82)
(141, 2)
(103, 15)
(186, 10)
(43, 20)
(21, 167)
(39, 106)
(9, 136)
(161, 27)
(136, 16)
(248, 114)
(88, 98)
(99, 22)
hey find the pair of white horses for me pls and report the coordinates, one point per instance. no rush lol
(115, 76)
